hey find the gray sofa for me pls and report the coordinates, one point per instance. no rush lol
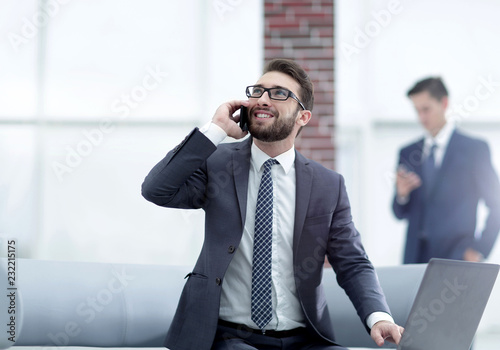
(122, 305)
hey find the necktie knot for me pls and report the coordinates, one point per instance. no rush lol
(432, 150)
(269, 163)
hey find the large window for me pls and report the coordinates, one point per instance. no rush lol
(92, 95)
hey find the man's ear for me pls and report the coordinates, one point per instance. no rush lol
(304, 117)
(444, 102)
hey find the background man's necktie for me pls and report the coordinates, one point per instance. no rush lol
(430, 170)
(262, 305)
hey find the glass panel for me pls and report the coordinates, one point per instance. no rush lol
(19, 187)
(136, 61)
(95, 210)
(19, 32)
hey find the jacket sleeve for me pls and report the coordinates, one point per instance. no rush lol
(489, 190)
(179, 180)
(400, 210)
(355, 273)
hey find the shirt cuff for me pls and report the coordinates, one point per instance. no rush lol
(213, 132)
(402, 200)
(377, 317)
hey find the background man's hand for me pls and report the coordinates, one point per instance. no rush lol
(386, 330)
(473, 255)
(223, 117)
(406, 181)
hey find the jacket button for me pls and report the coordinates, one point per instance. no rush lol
(218, 281)
(230, 250)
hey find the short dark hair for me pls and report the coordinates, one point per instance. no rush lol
(434, 85)
(292, 69)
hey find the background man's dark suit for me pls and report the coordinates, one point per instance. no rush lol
(196, 174)
(447, 218)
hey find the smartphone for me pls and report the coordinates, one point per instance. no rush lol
(244, 118)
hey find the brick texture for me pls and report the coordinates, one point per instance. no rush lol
(303, 31)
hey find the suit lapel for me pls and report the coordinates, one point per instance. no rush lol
(417, 158)
(303, 184)
(241, 168)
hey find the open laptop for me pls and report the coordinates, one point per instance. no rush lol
(449, 305)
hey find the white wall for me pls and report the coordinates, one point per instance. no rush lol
(383, 48)
(94, 93)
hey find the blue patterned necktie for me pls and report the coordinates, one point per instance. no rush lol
(262, 305)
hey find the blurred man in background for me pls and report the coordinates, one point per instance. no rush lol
(440, 180)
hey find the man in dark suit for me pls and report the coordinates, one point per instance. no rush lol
(271, 217)
(440, 181)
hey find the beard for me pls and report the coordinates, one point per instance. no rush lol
(279, 130)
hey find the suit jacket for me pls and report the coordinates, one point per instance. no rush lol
(446, 218)
(196, 174)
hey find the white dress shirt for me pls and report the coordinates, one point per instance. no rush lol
(441, 140)
(235, 304)
(237, 285)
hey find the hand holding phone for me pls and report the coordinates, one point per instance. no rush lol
(226, 117)
(406, 181)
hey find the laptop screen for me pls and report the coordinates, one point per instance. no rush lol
(449, 305)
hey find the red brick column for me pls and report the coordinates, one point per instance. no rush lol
(303, 31)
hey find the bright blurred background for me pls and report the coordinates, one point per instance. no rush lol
(94, 93)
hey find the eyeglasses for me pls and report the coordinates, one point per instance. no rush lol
(279, 94)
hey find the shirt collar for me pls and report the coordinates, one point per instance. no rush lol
(442, 138)
(285, 159)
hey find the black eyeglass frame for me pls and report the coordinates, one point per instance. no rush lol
(268, 90)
